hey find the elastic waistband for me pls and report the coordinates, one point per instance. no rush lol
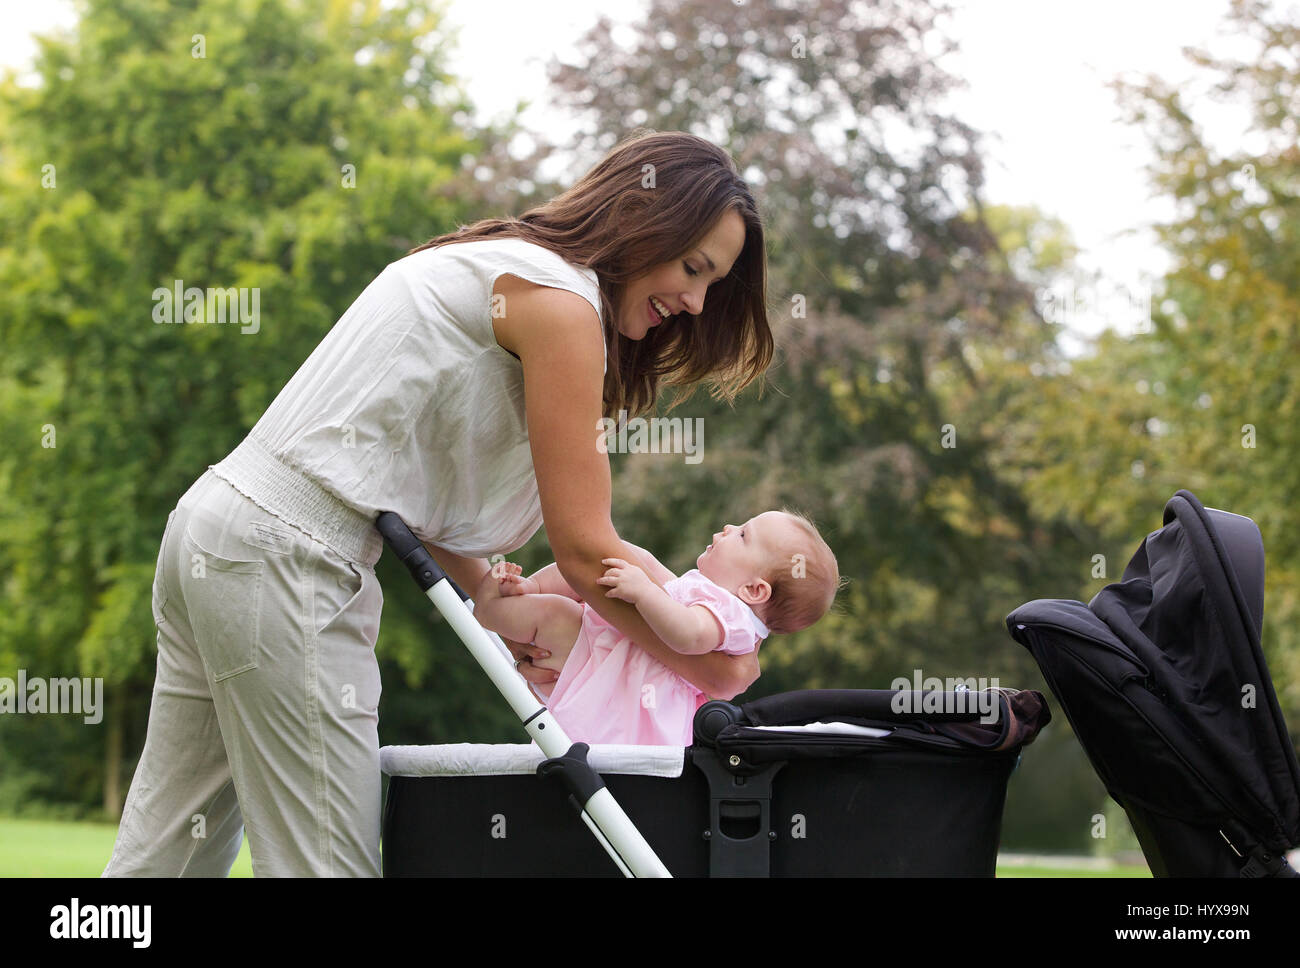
(300, 501)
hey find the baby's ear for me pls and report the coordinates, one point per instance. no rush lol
(756, 592)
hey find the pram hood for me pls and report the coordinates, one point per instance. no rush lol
(1181, 633)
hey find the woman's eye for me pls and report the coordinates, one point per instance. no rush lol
(689, 270)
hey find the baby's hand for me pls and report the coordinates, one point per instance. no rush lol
(510, 580)
(626, 581)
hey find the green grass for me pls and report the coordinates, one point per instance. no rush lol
(1033, 870)
(53, 848)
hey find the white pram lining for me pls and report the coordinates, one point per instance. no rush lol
(504, 759)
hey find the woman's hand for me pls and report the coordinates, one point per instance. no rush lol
(524, 653)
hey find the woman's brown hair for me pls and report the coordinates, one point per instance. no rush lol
(647, 202)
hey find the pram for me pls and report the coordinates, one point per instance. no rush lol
(804, 783)
(1163, 680)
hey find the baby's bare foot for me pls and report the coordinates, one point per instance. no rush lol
(513, 583)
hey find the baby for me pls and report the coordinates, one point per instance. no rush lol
(774, 573)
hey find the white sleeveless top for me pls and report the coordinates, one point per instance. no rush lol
(409, 404)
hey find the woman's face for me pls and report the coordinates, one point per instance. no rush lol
(680, 286)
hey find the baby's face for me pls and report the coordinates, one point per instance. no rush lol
(743, 554)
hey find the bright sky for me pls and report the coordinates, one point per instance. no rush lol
(1036, 73)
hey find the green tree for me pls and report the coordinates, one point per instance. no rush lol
(1205, 397)
(885, 275)
(292, 149)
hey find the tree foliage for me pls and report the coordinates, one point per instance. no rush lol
(1205, 397)
(921, 409)
(886, 277)
(292, 149)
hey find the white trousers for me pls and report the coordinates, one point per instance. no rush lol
(265, 706)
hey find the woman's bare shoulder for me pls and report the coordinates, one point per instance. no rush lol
(520, 308)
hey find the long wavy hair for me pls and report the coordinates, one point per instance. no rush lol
(649, 201)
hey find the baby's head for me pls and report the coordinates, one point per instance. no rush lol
(778, 565)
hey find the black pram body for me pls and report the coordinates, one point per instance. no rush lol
(811, 783)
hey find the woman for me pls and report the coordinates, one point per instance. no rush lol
(463, 390)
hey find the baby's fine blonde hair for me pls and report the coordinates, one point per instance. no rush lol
(804, 582)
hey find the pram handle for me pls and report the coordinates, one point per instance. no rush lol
(411, 550)
(607, 821)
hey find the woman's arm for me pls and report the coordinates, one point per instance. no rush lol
(653, 567)
(551, 582)
(556, 334)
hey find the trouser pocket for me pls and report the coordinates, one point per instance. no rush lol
(223, 600)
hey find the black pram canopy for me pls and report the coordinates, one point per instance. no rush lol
(1164, 681)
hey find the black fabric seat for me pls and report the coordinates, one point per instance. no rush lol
(1164, 681)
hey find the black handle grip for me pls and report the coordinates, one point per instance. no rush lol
(712, 718)
(414, 555)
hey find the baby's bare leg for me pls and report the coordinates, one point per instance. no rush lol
(549, 621)
(557, 621)
(558, 625)
(552, 582)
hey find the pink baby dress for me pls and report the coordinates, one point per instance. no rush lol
(612, 691)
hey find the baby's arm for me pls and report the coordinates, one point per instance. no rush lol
(551, 582)
(690, 630)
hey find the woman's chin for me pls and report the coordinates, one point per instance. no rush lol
(635, 334)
